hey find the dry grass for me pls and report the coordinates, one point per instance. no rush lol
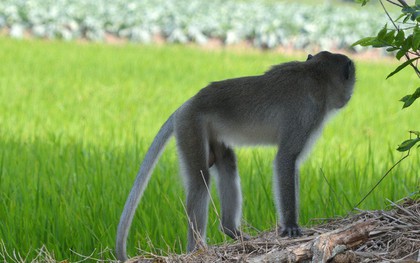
(396, 237)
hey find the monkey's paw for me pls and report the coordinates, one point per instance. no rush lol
(291, 231)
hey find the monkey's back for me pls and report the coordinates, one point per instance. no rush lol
(257, 109)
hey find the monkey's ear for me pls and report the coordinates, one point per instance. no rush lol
(347, 69)
(309, 57)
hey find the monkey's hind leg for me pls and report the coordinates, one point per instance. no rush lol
(193, 153)
(229, 189)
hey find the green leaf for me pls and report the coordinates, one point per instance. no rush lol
(408, 144)
(406, 45)
(417, 133)
(391, 49)
(399, 38)
(407, 42)
(416, 38)
(400, 54)
(409, 99)
(382, 39)
(405, 98)
(403, 65)
(367, 41)
(400, 16)
(412, 11)
(389, 37)
(415, 15)
(407, 10)
(363, 2)
(382, 33)
(377, 44)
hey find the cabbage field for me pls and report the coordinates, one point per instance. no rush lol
(265, 24)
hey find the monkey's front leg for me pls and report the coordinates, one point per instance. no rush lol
(286, 188)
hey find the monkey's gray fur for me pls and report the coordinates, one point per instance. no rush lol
(287, 106)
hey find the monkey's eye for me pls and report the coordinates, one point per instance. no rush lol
(309, 57)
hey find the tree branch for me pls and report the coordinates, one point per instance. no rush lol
(322, 248)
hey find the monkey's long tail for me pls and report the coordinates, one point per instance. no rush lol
(143, 176)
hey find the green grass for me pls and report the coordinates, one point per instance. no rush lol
(76, 119)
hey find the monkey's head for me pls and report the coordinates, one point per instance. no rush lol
(339, 70)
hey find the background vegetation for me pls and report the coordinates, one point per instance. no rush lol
(76, 120)
(266, 24)
(401, 40)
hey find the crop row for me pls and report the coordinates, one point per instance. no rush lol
(263, 24)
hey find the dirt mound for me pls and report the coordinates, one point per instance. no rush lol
(369, 236)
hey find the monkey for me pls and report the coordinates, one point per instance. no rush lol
(287, 107)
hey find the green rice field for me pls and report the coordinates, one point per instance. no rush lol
(77, 118)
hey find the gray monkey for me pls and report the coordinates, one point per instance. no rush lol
(287, 107)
